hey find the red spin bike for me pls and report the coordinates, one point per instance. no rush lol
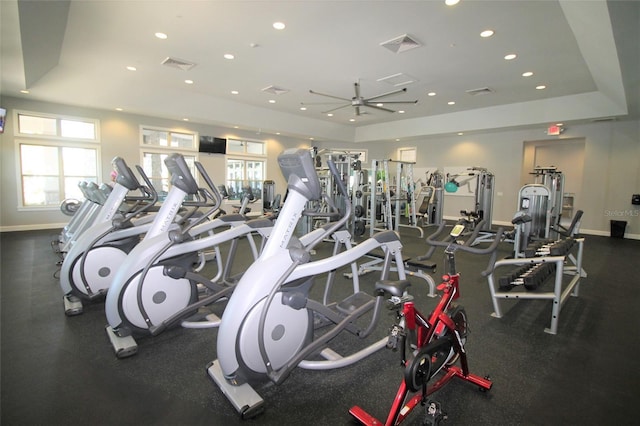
(435, 342)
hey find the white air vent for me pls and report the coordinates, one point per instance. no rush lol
(178, 63)
(398, 79)
(275, 90)
(401, 44)
(480, 91)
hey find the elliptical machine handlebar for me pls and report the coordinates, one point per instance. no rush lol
(452, 244)
(125, 176)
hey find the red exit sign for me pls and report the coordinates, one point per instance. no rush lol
(554, 130)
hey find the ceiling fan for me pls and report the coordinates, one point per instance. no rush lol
(359, 101)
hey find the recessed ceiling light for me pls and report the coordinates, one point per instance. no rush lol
(510, 56)
(451, 103)
(379, 104)
(311, 139)
(161, 36)
(185, 119)
(451, 2)
(330, 114)
(527, 74)
(234, 92)
(303, 108)
(25, 91)
(130, 68)
(431, 94)
(279, 25)
(486, 33)
(272, 101)
(460, 133)
(541, 87)
(352, 119)
(401, 112)
(228, 56)
(189, 81)
(118, 109)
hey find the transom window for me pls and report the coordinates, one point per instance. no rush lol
(57, 127)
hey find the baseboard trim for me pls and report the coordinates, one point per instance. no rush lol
(41, 227)
(38, 227)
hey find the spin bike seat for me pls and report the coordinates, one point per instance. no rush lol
(394, 288)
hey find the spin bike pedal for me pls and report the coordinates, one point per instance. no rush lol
(394, 337)
(433, 413)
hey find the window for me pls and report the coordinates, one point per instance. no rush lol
(55, 155)
(246, 166)
(407, 154)
(156, 145)
(153, 165)
(168, 139)
(57, 127)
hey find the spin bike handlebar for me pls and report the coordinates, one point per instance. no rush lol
(452, 245)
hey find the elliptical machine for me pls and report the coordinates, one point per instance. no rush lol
(90, 264)
(270, 328)
(158, 284)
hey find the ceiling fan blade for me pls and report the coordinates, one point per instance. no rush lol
(398, 102)
(368, 105)
(329, 96)
(393, 92)
(335, 109)
(319, 103)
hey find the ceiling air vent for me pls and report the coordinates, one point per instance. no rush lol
(480, 91)
(275, 90)
(178, 63)
(401, 44)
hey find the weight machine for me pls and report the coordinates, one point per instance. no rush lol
(323, 211)
(432, 193)
(391, 193)
(483, 205)
(542, 202)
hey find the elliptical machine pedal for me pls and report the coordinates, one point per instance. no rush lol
(72, 305)
(123, 346)
(243, 397)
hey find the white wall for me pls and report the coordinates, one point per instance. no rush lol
(611, 163)
(611, 169)
(119, 134)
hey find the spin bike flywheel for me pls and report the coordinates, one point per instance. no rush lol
(429, 360)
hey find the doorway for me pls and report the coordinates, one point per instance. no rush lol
(567, 155)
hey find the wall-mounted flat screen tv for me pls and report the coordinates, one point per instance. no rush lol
(212, 145)
(3, 116)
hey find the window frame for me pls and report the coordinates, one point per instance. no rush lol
(60, 144)
(58, 136)
(167, 150)
(246, 157)
(57, 141)
(169, 131)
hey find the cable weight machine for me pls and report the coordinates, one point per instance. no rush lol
(389, 194)
(483, 199)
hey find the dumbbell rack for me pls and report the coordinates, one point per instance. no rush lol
(566, 264)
